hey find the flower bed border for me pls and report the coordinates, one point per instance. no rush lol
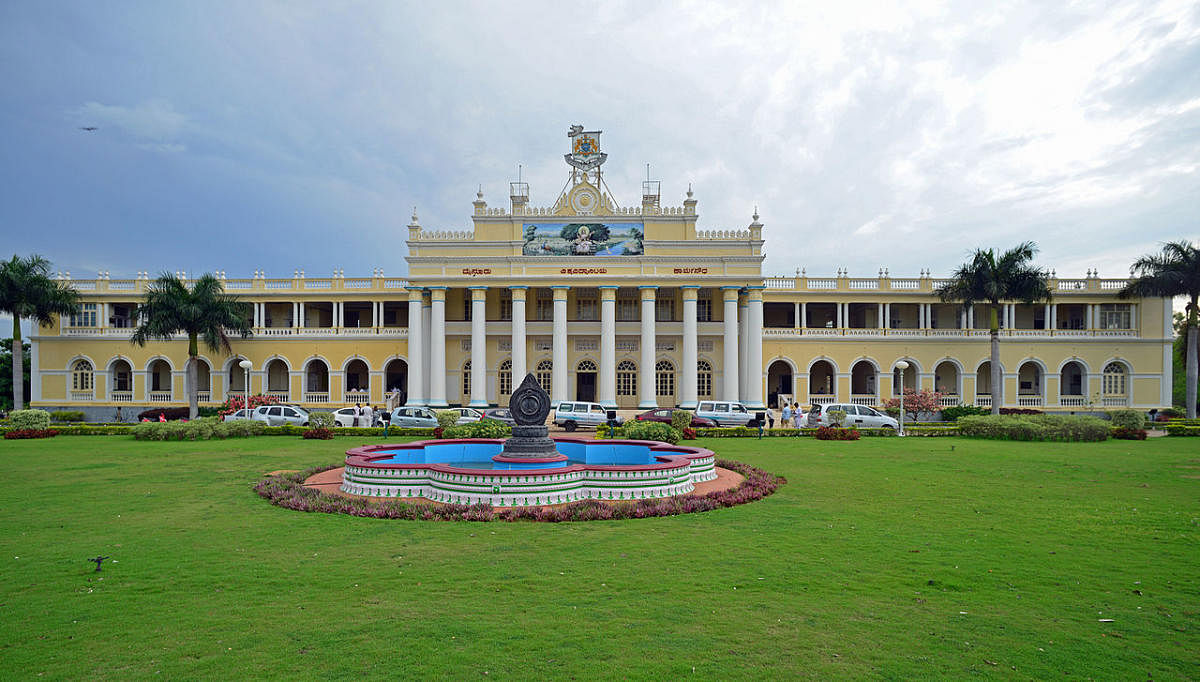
(288, 491)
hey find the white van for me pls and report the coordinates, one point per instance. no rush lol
(725, 413)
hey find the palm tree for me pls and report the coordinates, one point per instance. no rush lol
(203, 312)
(1174, 271)
(993, 280)
(27, 291)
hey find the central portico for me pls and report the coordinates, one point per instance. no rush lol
(626, 305)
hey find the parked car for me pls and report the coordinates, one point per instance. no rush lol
(466, 415)
(500, 414)
(571, 416)
(241, 414)
(725, 413)
(663, 414)
(418, 417)
(278, 415)
(859, 416)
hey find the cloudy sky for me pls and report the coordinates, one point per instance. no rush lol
(244, 135)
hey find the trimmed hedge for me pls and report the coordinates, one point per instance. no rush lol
(30, 419)
(1043, 427)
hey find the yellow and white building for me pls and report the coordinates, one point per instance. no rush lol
(632, 306)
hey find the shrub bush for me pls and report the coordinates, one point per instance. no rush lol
(680, 420)
(953, 413)
(320, 433)
(66, 416)
(484, 428)
(1034, 427)
(322, 420)
(639, 430)
(18, 434)
(1128, 419)
(834, 433)
(1123, 433)
(446, 418)
(29, 419)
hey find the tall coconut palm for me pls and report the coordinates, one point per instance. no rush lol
(27, 291)
(988, 278)
(1174, 271)
(204, 312)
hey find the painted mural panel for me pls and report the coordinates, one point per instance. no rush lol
(583, 239)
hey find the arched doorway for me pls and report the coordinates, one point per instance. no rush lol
(316, 381)
(278, 379)
(946, 382)
(585, 381)
(1030, 385)
(821, 383)
(1072, 385)
(356, 380)
(395, 378)
(864, 383)
(781, 386)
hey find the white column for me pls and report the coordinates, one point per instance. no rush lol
(519, 366)
(730, 367)
(416, 364)
(427, 328)
(608, 347)
(687, 373)
(437, 347)
(646, 386)
(558, 376)
(479, 366)
(742, 364)
(754, 362)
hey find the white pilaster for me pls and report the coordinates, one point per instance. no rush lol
(479, 366)
(646, 385)
(519, 366)
(687, 374)
(754, 368)
(730, 368)
(608, 347)
(558, 376)
(416, 358)
(437, 347)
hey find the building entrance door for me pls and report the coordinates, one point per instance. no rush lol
(585, 387)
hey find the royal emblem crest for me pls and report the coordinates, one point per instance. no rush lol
(585, 148)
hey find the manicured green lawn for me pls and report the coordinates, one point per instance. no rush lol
(883, 557)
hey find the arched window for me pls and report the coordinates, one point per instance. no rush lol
(626, 378)
(82, 376)
(586, 366)
(664, 378)
(1115, 379)
(703, 379)
(505, 377)
(543, 373)
(466, 379)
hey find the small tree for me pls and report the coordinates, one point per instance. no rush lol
(916, 402)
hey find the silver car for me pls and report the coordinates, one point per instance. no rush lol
(278, 415)
(725, 413)
(859, 416)
(405, 417)
(571, 416)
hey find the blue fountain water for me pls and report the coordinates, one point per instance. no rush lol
(479, 455)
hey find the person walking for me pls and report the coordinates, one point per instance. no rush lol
(786, 417)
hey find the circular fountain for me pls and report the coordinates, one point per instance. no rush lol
(529, 468)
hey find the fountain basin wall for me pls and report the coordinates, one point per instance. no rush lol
(451, 471)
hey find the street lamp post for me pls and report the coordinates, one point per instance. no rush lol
(246, 365)
(902, 365)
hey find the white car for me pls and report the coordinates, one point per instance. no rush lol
(725, 413)
(278, 415)
(859, 416)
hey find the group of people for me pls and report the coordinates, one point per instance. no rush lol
(791, 417)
